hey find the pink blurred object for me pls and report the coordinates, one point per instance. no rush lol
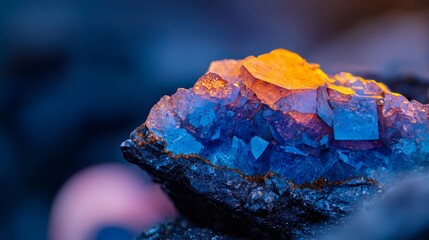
(106, 195)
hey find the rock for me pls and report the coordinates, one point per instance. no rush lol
(257, 207)
(402, 213)
(180, 229)
(272, 147)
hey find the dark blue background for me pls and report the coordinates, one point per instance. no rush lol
(78, 76)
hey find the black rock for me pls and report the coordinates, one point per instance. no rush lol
(180, 229)
(257, 207)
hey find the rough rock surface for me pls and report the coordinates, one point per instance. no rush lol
(402, 213)
(255, 207)
(272, 147)
(180, 229)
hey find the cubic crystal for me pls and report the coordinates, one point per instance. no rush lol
(278, 113)
(356, 119)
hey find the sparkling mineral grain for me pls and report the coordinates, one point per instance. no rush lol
(180, 229)
(273, 147)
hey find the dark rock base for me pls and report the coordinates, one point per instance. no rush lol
(180, 229)
(265, 207)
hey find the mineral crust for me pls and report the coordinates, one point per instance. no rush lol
(273, 147)
(180, 229)
(278, 113)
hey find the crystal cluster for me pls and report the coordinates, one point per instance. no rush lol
(271, 147)
(278, 113)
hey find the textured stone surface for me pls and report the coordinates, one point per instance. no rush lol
(403, 213)
(272, 147)
(225, 200)
(180, 229)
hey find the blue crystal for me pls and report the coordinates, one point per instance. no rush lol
(181, 142)
(324, 110)
(293, 150)
(337, 131)
(216, 135)
(356, 119)
(258, 146)
(293, 102)
(324, 141)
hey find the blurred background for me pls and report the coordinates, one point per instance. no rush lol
(77, 76)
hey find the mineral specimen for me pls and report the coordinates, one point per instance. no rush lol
(271, 146)
(179, 229)
(279, 113)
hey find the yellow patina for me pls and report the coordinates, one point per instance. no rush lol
(277, 74)
(286, 69)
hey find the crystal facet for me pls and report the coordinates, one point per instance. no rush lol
(278, 113)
